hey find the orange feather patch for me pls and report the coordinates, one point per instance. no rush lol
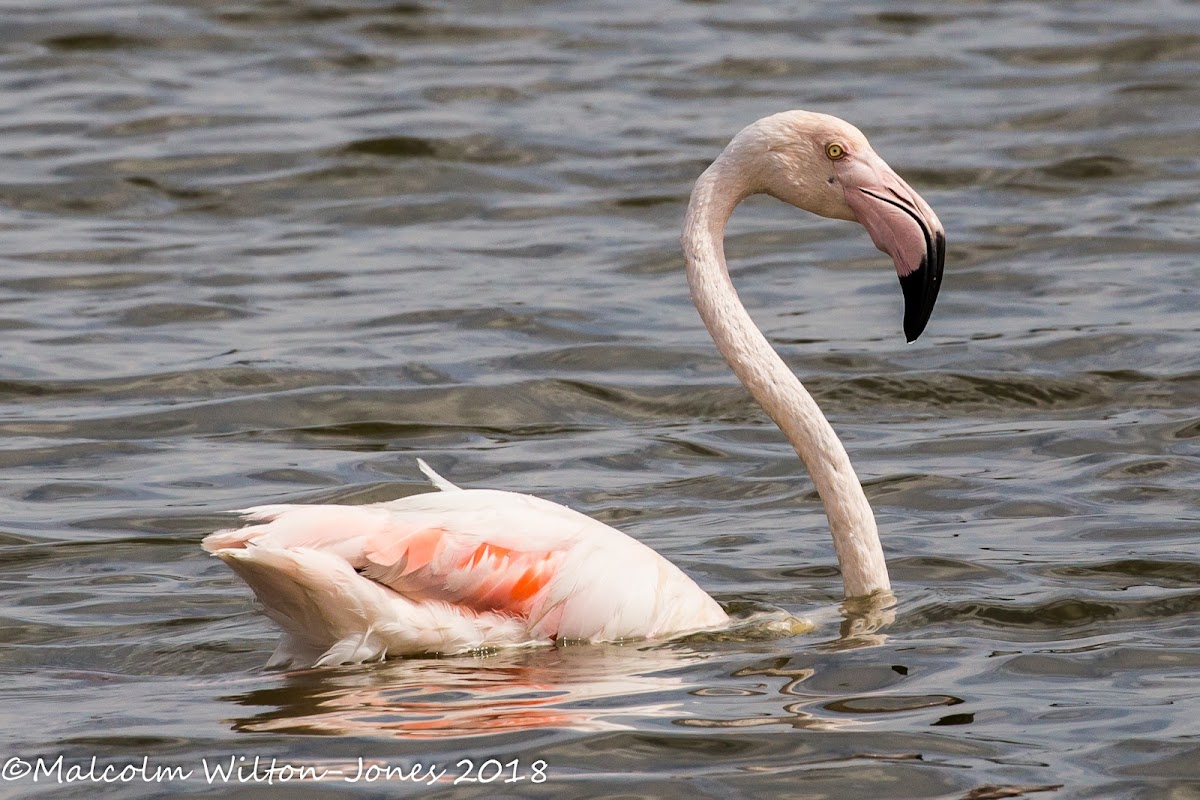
(530, 583)
(483, 551)
(417, 549)
(493, 577)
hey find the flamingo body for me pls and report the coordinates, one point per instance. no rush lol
(458, 570)
(453, 571)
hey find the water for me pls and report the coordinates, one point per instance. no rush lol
(277, 251)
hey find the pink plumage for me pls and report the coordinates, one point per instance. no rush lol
(452, 571)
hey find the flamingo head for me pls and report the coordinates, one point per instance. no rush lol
(825, 165)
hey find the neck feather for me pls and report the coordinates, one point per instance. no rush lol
(772, 383)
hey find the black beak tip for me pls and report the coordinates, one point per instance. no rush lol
(918, 301)
(921, 287)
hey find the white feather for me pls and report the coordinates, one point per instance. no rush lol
(435, 479)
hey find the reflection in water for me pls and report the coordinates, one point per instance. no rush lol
(793, 713)
(585, 688)
(581, 688)
(863, 619)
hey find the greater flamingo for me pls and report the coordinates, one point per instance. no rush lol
(463, 569)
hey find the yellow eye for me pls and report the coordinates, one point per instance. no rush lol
(834, 151)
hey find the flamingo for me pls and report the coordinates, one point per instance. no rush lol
(461, 570)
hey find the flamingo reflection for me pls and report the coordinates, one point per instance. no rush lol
(594, 688)
(580, 688)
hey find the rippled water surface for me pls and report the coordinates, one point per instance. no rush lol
(277, 250)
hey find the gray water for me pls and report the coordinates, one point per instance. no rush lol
(276, 251)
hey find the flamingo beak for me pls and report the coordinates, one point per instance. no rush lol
(902, 225)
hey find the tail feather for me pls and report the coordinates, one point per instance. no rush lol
(337, 530)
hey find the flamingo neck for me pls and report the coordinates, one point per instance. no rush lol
(776, 388)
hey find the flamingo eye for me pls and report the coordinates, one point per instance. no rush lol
(835, 151)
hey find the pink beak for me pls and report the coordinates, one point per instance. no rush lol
(902, 225)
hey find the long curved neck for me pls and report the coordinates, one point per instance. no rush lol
(776, 388)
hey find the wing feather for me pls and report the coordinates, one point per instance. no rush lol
(455, 567)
